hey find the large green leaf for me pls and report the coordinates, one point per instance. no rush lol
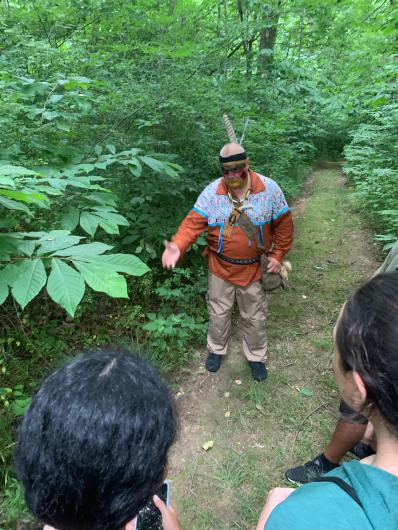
(13, 205)
(8, 244)
(102, 199)
(26, 247)
(57, 183)
(112, 217)
(65, 286)
(108, 226)
(24, 196)
(103, 279)
(89, 249)
(70, 220)
(57, 243)
(31, 279)
(15, 171)
(126, 263)
(89, 223)
(154, 164)
(7, 181)
(135, 167)
(3, 288)
(47, 236)
(10, 273)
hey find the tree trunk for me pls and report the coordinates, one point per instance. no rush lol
(172, 5)
(267, 40)
(247, 42)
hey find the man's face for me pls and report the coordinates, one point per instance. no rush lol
(235, 174)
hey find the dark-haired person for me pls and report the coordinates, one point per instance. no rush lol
(350, 428)
(358, 495)
(92, 448)
(233, 258)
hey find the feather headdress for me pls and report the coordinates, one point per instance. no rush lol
(230, 130)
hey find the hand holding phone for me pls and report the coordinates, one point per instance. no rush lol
(157, 514)
(169, 516)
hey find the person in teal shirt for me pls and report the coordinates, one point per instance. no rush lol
(359, 495)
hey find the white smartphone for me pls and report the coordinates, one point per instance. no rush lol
(149, 518)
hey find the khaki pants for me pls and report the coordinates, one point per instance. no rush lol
(252, 303)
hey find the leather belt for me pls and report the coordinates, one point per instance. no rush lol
(236, 261)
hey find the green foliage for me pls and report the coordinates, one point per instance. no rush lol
(172, 333)
(371, 158)
(13, 509)
(13, 398)
(26, 255)
(80, 207)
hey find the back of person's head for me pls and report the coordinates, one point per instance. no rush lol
(367, 340)
(92, 448)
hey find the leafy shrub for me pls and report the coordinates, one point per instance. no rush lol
(372, 165)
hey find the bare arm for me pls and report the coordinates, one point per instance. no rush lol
(275, 497)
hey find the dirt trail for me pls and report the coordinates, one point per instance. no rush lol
(259, 429)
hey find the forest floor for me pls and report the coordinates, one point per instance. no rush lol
(260, 429)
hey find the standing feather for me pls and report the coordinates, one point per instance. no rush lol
(230, 129)
(244, 131)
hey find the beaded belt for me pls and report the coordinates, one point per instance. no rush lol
(248, 261)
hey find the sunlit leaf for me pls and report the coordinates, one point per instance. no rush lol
(65, 286)
(102, 279)
(86, 249)
(89, 223)
(126, 263)
(31, 279)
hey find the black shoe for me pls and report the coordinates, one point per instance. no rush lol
(310, 470)
(362, 450)
(212, 362)
(259, 370)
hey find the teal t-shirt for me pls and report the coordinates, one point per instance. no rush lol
(325, 506)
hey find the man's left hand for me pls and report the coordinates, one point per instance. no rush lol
(273, 265)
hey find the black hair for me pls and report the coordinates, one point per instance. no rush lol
(367, 339)
(92, 448)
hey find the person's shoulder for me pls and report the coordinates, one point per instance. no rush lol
(208, 194)
(269, 183)
(313, 506)
(263, 178)
(212, 186)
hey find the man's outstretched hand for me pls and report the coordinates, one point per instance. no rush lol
(273, 265)
(170, 255)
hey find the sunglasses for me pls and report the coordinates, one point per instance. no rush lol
(234, 170)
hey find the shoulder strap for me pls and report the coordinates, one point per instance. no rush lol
(343, 485)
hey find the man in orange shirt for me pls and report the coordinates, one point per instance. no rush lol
(234, 259)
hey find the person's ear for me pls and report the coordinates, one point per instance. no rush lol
(132, 524)
(361, 393)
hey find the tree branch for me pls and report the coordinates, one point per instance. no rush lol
(79, 29)
(42, 23)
